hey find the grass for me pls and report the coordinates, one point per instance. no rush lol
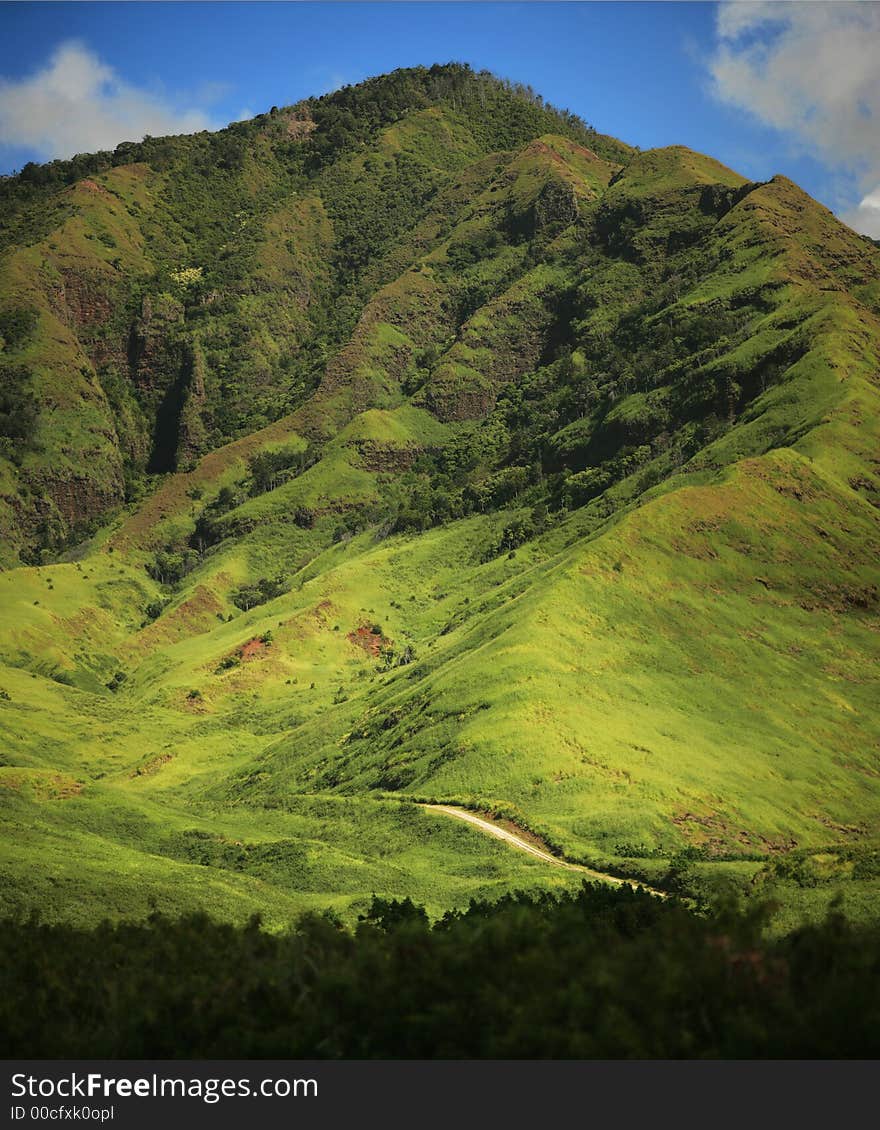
(673, 677)
(557, 695)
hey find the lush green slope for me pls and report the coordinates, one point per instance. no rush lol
(470, 456)
(163, 299)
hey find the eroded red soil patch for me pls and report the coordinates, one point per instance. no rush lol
(364, 637)
(253, 647)
(45, 785)
(92, 186)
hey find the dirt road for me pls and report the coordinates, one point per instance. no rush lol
(516, 841)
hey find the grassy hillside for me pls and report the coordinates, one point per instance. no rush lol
(427, 445)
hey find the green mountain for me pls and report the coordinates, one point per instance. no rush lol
(419, 443)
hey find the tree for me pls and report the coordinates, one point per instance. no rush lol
(263, 590)
(17, 324)
(18, 405)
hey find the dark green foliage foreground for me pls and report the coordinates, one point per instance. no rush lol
(598, 973)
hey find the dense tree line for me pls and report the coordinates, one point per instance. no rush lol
(511, 113)
(600, 973)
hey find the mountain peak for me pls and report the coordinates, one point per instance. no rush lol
(418, 441)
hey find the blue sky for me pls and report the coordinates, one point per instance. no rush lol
(732, 80)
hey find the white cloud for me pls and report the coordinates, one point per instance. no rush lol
(865, 217)
(77, 104)
(811, 70)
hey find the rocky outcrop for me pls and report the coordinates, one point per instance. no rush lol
(153, 354)
(385, 457)
(449, 403)
(55, 508)
(191, 432)
(82, 298)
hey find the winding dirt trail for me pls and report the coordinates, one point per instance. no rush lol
(523, 844)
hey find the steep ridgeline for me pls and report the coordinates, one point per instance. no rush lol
(433, 446)
(162, 300)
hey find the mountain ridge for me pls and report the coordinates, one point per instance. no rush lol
(568, 513)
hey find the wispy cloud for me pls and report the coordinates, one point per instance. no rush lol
(324, 80)
(811, 71)
(77, 103)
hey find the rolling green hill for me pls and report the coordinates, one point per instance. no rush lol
(420, 443)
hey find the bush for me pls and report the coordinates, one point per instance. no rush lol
(169, 566)
(18, 405)
(602, 973)
(155, 609)
(17, 325)
(264, 590)
(269, 469)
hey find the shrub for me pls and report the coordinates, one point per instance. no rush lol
(17, 325)
(117, 680)
(18, 405)
(602, 973)
(264, 590)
